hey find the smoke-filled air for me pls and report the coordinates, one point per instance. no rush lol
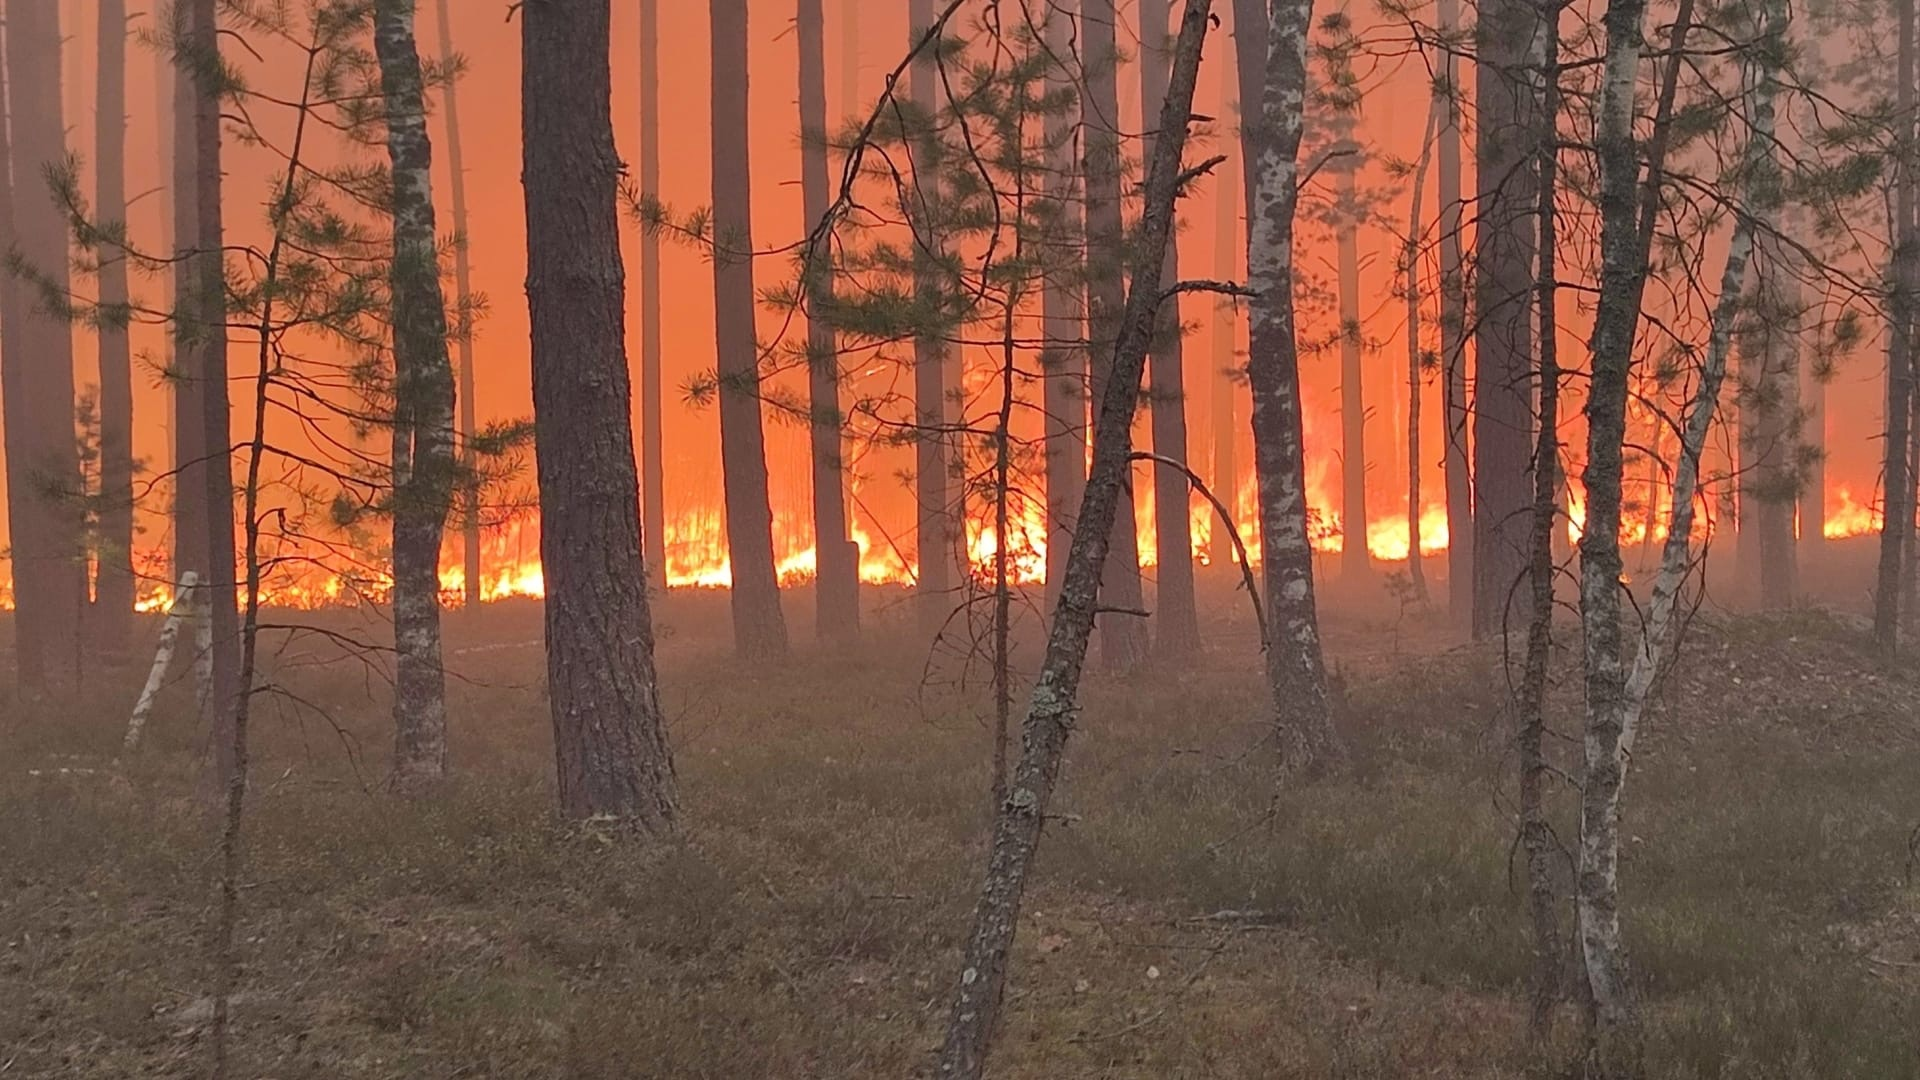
(955, 538)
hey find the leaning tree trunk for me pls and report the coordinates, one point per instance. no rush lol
(1410, 271)
(1050, 711)
(1176, 621)
(424, 471)
(836, 559)
(1123, 632)
(609, 735)
(1453, 334)
(111, 621)
(1896, 528)
(1064, 358)
(475, 587)
(936, 529)
(45, 486)
(1616, 697)
(1507, 39)
(759, 627)
(653, 440)
(1296, 669)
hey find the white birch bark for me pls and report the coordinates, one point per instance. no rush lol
(177, 614)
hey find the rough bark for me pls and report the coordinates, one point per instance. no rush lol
(1063, 316)
(110, 624)
(1536, 830)
(836, 562)
(1123, 633)
(1224, 477)
(759, 626)
(44, 485)
(474, 588)
(1896, 530)
(653, 470)
(1769, 404)
(1453, 334)
(935, 531)
(1052, 707)
(1615, 695)
(424, 468)
(1296, 668)
(1176, 620)
(1507, 41)
(1356, 560)
(609, 738)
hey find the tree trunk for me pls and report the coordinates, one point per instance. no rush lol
(1296, 670)
(475, 587)
(44, 481)
(1536, 830)
(1453, 337)
(759, 627)
(1770, 415)
(1016, 835)
(934, 534)
(608, 731)
(836, 564)
(1896, 529)
(1410, 269)
(424, 475)
(653, 470)
(1123, 633)
(111, 621)
(1225, 474)
(1063, 316)
(1507, 39)
(1615, 696)
(1176, 621)
(1356, 561)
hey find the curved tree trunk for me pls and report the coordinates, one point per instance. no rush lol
(1296, 669)
(608, 732)
(1176, 621)
(759, 626)
(424, 471)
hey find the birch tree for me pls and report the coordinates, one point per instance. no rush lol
(1616, 692)
(1295, 666)
(1052, 706)
(424, 470)
(609, 737)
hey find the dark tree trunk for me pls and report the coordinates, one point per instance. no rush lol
(424, 471)
(1770, 415)
(1453, 339)
(1225, 474)
(935, 530)
(1064, 318)
(1410, 270)
(608, 733)
(44, 483)
(1896, 530)
(111, 621)
(1123, 633)
(982, 984)
(202, 292)
(475, 585)
(1296, 668)
(759, 627)
(1356, 561)
(1176, 621)
(836, 560)
(653, 440)
(1507, 38)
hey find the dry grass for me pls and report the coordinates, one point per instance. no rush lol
(1190, 921)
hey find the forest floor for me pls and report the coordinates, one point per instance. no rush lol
(1190, 919)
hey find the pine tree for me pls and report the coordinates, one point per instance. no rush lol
(110, 622)
(474, 586)
(609, 736)
(653, 473)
